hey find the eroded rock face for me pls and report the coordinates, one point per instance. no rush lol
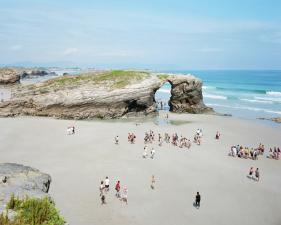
(186, 95)
(9, 76)
(83, 100)
(86, 97)
(21, 181)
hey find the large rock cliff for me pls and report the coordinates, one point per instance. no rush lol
(110, 94)
(21, 181)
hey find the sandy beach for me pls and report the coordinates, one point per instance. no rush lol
(77, 164)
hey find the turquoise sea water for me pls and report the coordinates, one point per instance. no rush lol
(244, 94)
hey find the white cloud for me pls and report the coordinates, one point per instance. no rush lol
(70, 51)
(16, 47)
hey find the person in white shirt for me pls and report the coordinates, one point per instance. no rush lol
(106, 184)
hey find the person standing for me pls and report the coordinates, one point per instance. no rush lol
(117, 188)
(106, 184)
(152, 153)
(197, 200)
(251, 172)
(257, 174)
(152, 182)
(102, 189)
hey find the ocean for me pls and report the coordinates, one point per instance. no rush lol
(246, 94)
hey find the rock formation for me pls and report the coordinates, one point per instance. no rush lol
(9, 76)
(30, 73)
(186, 95)
(110, 94)
(21, 181)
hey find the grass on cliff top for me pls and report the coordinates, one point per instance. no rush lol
(163, 76)
(114, 79)
(32, 211)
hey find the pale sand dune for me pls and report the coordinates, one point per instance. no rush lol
(77, 164)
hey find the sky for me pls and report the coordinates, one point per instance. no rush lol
(143, 34)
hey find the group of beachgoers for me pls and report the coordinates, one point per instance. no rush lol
(104, 190)
(131, 138)
(246, 152)
(254, 174)
(274, 153)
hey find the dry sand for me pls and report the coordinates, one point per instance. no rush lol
(77, 164)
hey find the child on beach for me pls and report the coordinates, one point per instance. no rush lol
(144, 154)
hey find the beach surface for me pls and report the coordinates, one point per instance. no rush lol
(77, 163)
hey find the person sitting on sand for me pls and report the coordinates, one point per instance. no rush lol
(117, 188)
(116, 140)
(257, 174)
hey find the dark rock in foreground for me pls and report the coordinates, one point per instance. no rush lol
(21, 181)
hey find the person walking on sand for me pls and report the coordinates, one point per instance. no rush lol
(102, 195)
(197, 200)
(117, 188)
(251, 172)
(152, 153)
(117, 140)
(257, 174)
(152, 182)
(106, 184)
(125, 195)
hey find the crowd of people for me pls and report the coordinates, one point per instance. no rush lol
(104, 190)
(246, 152)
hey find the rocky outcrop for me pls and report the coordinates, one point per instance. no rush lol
(111, 94)
(9, 76)
(21, 181)
(31, 73)
(276, 119)
(186, 95)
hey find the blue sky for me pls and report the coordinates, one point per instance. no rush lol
(161, 35)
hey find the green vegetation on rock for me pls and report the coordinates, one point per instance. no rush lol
(31, 211)
(162, 76)
(113, 79)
